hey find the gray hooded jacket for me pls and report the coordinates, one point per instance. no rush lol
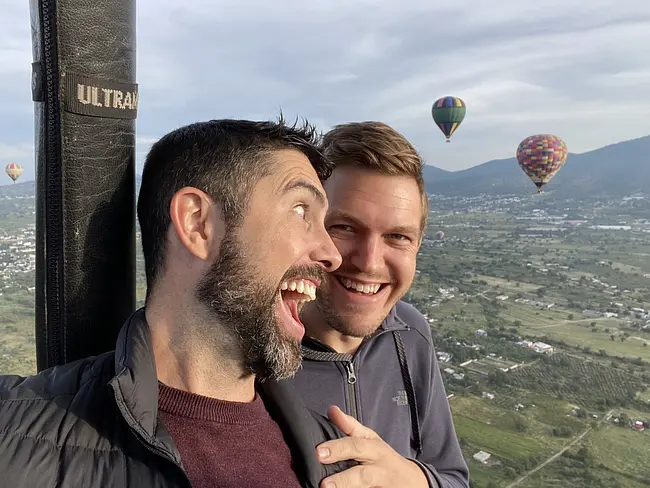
(393, 385)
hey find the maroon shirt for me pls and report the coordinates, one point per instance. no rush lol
(226, 444)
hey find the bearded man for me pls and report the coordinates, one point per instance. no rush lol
(232, 221)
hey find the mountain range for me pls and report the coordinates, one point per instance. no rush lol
(615, 170)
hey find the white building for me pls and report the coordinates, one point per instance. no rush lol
(542, 348)
(482, 457)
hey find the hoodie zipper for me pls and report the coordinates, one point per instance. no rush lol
(351, 375)
(352, 392)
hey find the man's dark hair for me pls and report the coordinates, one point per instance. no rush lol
(223, 158)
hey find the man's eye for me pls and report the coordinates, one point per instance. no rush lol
(300, 210)
(342, 227)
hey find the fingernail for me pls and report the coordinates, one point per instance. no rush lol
(324, 453)
(329, 484)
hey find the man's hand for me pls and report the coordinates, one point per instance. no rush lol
(380, 466)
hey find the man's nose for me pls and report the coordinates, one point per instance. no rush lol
(326, 252)
(366, 255)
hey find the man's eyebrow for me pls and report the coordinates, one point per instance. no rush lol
(307, 185)
(405, 229)
(339, 214)
(400, 229)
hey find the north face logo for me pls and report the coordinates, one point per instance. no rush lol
(401, 398)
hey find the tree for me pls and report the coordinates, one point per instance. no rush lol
(520, 424)
(583, 454)
(497, 378)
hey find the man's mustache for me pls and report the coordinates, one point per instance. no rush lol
(307, 272)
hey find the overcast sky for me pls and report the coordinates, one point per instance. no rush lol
(576, 68)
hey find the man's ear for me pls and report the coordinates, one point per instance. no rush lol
(197, 221)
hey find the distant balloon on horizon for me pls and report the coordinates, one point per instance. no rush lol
(14, 170)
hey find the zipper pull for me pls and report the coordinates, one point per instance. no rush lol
(352, 378)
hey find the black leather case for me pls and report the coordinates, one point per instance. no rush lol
(85, 98)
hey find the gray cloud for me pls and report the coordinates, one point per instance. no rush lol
(575, 69)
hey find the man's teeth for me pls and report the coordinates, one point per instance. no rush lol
(361, 287)
(303, 287)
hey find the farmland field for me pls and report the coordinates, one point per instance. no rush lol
(622, 451)
(585, 383)
(644, 396)
(582, 334)
(532, 316)
(17, 341)
(574, 473)
(517, 439)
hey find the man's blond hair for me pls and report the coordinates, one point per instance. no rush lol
(378, 147)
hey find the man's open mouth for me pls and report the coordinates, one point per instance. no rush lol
(294, 293)
(299, 289)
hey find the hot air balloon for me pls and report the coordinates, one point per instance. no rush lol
(440, 235)
(448, 113)
(541, 156)
(14, 170)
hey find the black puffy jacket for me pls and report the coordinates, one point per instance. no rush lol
(94, 423)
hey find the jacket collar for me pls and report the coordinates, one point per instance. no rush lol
(135, 384)
(135, 369)
(393, 321)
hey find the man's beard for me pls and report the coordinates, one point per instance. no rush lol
(244, 303)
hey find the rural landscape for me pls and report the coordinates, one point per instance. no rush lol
(539, 307)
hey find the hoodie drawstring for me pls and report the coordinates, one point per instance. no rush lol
(410, 391)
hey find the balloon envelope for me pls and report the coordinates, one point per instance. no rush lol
(14, 170)
(541, 156)
(448, 113)
(440, 235)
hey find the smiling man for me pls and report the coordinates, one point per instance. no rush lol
(366, 350)
(232, 221)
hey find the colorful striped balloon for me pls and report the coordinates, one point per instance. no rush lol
(448, 113)
(541, 156)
